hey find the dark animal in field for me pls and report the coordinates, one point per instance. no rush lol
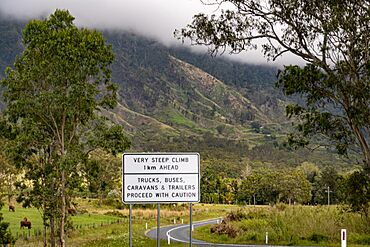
(11, 208)
(71, 211)
(26, 223)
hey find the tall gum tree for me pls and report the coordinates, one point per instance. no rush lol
(52, 94)
(332, 37)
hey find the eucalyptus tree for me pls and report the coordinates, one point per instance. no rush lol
(331, 37)
(52, 95)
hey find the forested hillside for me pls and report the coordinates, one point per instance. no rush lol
(171, 99)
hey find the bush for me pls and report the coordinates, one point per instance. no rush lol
(225, 228)
(316, 237)
(362, 240)
(115, 213)
(281, 206)
(115, 203)
(237, 215)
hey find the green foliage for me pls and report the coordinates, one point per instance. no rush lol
(115, 214)
(317, 238)
(315, 118)
(262, 186)
(358, 193)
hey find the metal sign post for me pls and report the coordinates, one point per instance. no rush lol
(191, 225)
(158, 225)
(130, 225)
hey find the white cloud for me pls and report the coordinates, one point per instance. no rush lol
(152, 18)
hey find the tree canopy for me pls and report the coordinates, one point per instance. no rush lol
(332, 37)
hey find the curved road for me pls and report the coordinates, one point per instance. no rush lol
(180, 233)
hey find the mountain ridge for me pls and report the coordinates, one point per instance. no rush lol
(171, 100)
(164, 90)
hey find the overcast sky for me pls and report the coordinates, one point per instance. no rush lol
(153, 18)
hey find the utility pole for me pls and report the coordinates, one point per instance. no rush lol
(328, 191)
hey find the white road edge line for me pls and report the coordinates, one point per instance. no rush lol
(203, 243)
(184, 226)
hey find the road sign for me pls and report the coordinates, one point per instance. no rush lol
(160, 177)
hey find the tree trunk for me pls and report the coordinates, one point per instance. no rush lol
(63, 210)
(45, 242)
(44, 233)
(364, 147)
(52, 231)
(101, 199)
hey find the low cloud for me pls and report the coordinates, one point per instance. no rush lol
(152, 18)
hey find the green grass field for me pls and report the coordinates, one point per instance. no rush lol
(80, 221)
(286, 225)
(95, 229)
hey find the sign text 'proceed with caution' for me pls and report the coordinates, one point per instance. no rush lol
(160, 177)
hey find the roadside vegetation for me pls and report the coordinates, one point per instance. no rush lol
(108, 225)
(288, 225)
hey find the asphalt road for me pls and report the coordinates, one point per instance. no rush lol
(180, 233)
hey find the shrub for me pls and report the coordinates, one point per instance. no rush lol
(225, 228)
(237, 215)
(281, 206)
(115, 213)
(115, 203)
(316, 237)
(362, 240)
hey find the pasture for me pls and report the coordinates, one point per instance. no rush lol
(108, 226)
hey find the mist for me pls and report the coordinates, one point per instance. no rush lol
(156, 19)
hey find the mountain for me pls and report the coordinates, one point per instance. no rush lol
(172, 99)
(183, 93)
(173, 92)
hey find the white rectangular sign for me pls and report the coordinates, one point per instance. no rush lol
(160, 177)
